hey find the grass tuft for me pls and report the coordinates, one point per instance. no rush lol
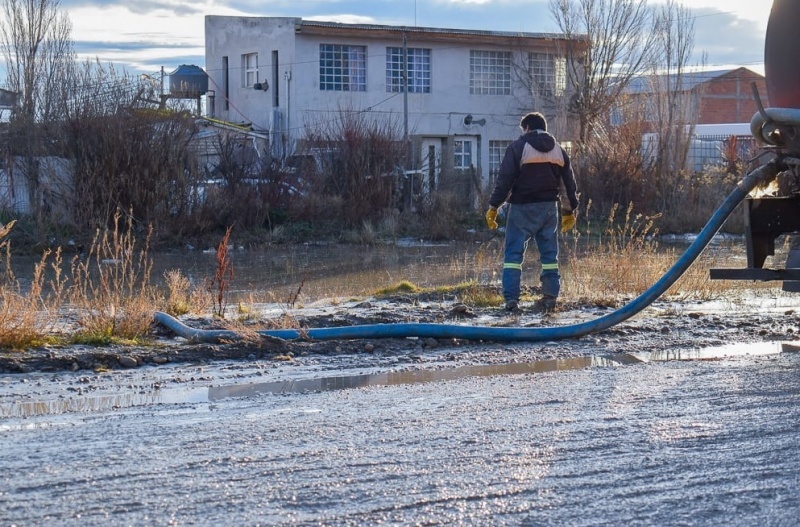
(403, 287)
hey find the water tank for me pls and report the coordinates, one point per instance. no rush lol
(188, 82)
(781, 62)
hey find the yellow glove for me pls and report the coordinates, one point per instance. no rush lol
(567, 220)
(491, 218)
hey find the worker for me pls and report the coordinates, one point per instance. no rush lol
(533, 171)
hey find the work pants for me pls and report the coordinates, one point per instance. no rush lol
(539, 221)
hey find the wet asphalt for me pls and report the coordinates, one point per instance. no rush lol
(697, 442)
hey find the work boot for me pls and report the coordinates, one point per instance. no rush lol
(512, 306)
(547, 303)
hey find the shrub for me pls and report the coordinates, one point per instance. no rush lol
(358, 159)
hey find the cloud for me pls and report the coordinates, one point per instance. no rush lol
(174, 7)
(728, 39)
(137, 57)
(173, 30)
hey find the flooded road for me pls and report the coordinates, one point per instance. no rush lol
(640, 439)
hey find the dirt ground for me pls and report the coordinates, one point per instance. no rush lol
(667, 324)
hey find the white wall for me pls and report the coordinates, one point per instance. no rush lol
(234, 37)
(437, 114)
(55, 187)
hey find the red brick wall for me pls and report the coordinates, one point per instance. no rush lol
(729, 98)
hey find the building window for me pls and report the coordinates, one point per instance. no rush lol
(497, 149)
(463, 153)
(419, 70)
(548, 74)
(342, 67)
(490, 72)
(249, 69)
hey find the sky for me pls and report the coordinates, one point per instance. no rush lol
(146, 35)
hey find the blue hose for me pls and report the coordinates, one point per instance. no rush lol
(400, 330)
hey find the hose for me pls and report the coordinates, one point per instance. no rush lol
(517, 334)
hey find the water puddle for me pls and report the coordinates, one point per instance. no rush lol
(100, 403)
(736, 349)
(326, 384)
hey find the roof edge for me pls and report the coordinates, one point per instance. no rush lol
(303, 23)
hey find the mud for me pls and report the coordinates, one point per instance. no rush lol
(172, 361)
(678, 325)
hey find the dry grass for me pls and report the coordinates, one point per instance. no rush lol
(178, 292)
(182, 297)
(469, 293)
(623, 261)
(477, 295)
(28, 317)
(111, 287)
(627, 260)
(248, 334)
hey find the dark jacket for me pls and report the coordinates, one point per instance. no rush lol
(533, 168)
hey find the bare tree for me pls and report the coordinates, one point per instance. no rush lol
(36, 46)
(125, 155)
(36, 39)
(674, 109)
(542, 74)
(357, 169)
(620, 48)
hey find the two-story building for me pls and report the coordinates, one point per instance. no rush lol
(466, 89)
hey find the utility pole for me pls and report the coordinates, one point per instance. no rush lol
(405, 88)
(407, 167)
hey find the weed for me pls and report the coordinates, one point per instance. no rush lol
(476, 295)
(29, 317)
(219, 284)
(285, 321)
(247, 334)
(245, 311)
(178, 292)
(469, 293)
(111, 285)
(292, 300)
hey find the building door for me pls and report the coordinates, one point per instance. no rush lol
(430, 163)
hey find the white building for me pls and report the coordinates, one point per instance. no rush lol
(467, 89)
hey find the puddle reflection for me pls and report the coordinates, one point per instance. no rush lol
(411, 377)
(100, 403)
(736, 349)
